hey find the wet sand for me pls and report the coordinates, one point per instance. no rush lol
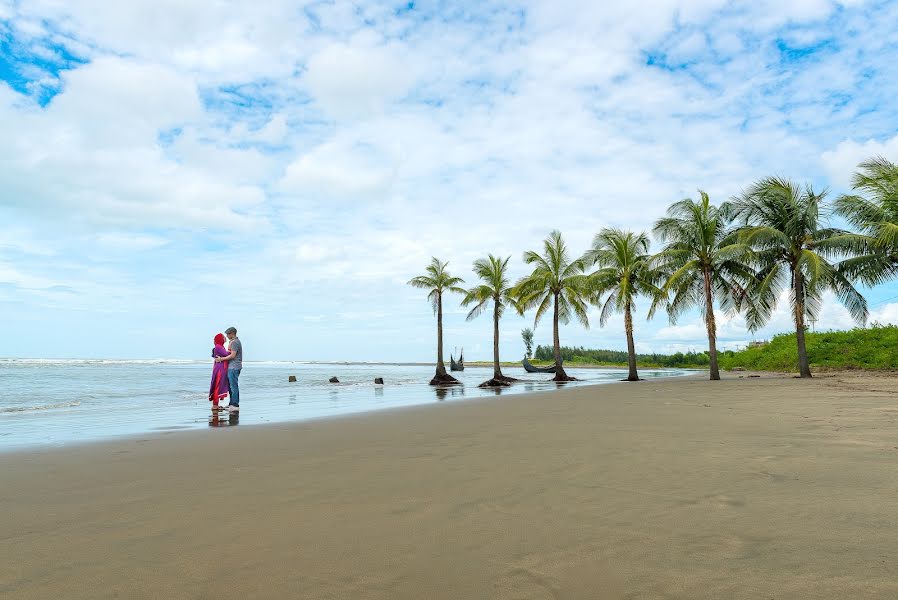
(746, 488)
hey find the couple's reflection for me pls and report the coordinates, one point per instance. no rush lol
(224, 419)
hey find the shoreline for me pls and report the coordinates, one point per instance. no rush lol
(579, 365)
(516, 389)
(743, 488)
(176, 361)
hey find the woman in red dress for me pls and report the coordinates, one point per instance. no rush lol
(218, 389)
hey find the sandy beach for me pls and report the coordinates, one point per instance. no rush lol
(745, 488)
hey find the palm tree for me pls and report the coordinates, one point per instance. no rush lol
(876, 215)
(783, 224)
(557, 282)
(703, 262)
(439, 282)
(493, 272)
(624, 272)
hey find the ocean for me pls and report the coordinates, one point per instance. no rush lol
(45, 403)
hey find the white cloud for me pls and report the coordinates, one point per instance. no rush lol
(94, 152)
(358, 78)
(19, 239)
(842, 161)
(887, 314)
(340, 169)
(273, 132)
(130, 242)
(10, 274)
(119, 101)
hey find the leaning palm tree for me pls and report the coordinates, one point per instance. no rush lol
(782, 223)
(439, 282)
(556, 282)
(624, 272)
(704, 263)
(496, 288)
(875, 213)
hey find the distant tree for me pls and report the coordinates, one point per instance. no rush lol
(493, 272)
(544, 353)
(782, 223)
(557, 282)
(438, 281)
(703, 262)
(615, 357)
(624, 272)
(527, 336)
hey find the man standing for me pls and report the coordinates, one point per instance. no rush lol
(235, 363)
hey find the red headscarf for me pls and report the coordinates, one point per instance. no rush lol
(219, 339)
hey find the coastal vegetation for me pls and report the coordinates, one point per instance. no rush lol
(875, 347)
(495, 287)
(527, 336)
(706, 264)
(791, 246)
(624, 272)
(875, 214)
(557, 282)
(575, 356)
(437, 281)
(772, 241)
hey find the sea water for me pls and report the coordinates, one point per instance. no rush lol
(59, 402)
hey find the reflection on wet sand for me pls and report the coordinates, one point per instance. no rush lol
(224, 419)
(450, 390)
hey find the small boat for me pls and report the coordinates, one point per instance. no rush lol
(531, 369)
(457, 366)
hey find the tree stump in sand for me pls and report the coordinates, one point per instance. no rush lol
(444, 379)
(333, 380)
(291, 379)
(495, 383)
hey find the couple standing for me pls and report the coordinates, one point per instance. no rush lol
(226, 371)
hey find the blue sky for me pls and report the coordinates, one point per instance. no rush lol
(172, 168)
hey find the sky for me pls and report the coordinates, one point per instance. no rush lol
(171, 168)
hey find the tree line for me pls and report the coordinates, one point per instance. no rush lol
(738, 256)
(617, 357)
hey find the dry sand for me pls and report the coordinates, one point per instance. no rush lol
(746, 488)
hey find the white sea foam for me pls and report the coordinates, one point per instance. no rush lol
(97, 361)
(178, 361)
(19, 409)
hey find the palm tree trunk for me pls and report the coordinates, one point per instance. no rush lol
(441, 367)
(497, 370)
(560, 375)
(711, 324)
(631, 347)
(804, 368)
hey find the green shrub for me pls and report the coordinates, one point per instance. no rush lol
(873, 348)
